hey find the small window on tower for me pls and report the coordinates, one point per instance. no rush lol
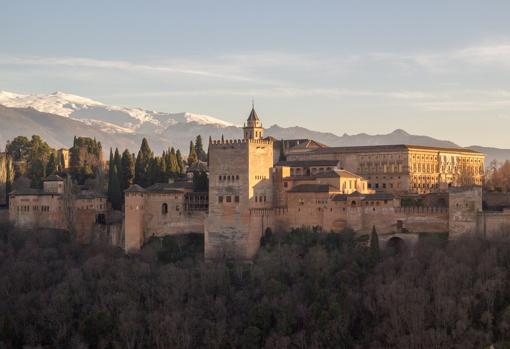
(229, 198)
(236, 198)
(220, 199)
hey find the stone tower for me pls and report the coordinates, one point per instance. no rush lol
(239, 182)
(253, 127)
(133, 218)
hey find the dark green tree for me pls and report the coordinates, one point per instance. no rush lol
(192, 155)
(52, 166)
(18, 148)
(172, 164)
(127, 170)
(142, 164)
(199, 147)
(180, 163)
(115, 194)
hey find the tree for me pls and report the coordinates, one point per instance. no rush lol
(199, 147)
(374, 246)
(142, 164)
(84, 157)
(127, 170)
(18, 148)
(180, 163)
(52, 166)
(192, 155)
(114, 190)
(172, 164)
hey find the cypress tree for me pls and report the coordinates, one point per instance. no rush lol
(180, 163)
(111, 175)
(116, 195)
(174, 164)
(51, 167)
(142, 164)
(127, 170)
(199, 147)
(192, 156)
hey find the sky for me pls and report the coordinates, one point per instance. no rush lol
(437, 68)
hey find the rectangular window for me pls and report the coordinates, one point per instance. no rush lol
(229, 198)
(285, 184)
(220, 199)
(236, 198)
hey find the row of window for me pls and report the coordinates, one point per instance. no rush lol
(164, 208)
(228, 198)
(308, 171)
(384, 185)
(34, 208)
(260, 198)
(228, 177)
(260, 177)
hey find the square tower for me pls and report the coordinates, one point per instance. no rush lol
(239, 182)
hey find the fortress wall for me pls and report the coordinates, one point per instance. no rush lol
(174, 221)
(52, 219)
(494, 224)
(464, 206)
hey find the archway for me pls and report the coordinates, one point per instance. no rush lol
(396, 246)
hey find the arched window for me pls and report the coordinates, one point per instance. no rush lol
(164, 208)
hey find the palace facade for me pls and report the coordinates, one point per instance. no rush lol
(253, 191)
(405, 168)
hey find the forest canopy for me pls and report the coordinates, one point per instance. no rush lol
(304, 289)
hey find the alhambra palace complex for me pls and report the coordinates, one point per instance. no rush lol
(253, 190)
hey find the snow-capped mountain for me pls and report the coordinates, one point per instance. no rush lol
(108, 118)
(59, 117)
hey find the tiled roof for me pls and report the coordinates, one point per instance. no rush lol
(253, 115)
(313, 188)
(134, 188)
(307, 163)
(364, 197)
(176, 187)
(90, 195)
(378, 196)
(392, 147)
(335, 173)
(31, 191)
(53, 178)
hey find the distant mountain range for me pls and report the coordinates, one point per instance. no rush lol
(59, 116)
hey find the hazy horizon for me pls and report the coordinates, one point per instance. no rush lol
(437, 69)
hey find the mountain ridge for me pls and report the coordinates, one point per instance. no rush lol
(126, 127)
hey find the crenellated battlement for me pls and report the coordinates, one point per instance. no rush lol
(264, 212)
(422, 210)
(220, 142)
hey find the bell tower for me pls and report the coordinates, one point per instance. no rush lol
(253, 127)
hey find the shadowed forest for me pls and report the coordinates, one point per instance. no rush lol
(304, 290)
